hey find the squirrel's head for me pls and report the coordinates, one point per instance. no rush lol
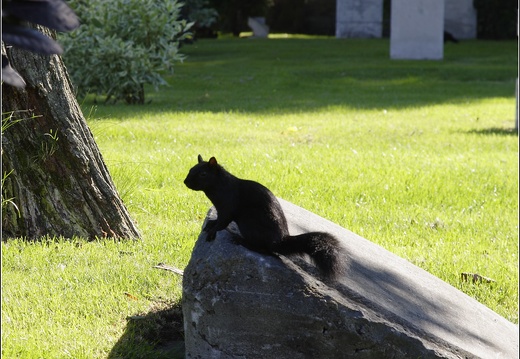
(203, 175)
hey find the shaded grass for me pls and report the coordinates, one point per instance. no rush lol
(294, 75)
(313, 74)
(68, 298)
(419, 157)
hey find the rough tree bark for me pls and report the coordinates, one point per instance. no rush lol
(59, 181)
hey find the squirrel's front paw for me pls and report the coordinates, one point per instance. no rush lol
(210, 235)
(236, 239)
(210, 229)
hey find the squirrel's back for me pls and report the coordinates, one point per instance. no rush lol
(259, 217)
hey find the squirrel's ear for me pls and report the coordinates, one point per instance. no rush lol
(200, 159)
(212, 161)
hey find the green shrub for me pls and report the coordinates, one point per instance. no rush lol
(123, 45)
(200, 13)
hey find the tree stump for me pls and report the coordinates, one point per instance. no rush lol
(53, 171)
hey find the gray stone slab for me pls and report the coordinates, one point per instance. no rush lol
(259, 27)
(359, 18)
(241, 304)
(460, 19)
(411, 293)
(417, 29)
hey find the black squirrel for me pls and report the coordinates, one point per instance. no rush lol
(259, 217)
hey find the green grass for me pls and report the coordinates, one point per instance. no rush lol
(417, 156)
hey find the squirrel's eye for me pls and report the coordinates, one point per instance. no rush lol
(202, 174)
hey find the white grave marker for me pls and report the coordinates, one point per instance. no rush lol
(417, 29)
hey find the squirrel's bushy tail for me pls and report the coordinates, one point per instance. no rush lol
(322, 247)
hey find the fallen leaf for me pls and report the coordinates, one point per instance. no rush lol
(131, 296)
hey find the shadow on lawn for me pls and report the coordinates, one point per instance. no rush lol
(280, 76)
(496, 131)
(158, 334)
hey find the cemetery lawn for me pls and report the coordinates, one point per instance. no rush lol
(420, 157)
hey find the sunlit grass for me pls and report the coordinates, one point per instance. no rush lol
(418, 157)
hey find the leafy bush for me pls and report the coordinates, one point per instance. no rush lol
(122, 45)
(199, 12)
